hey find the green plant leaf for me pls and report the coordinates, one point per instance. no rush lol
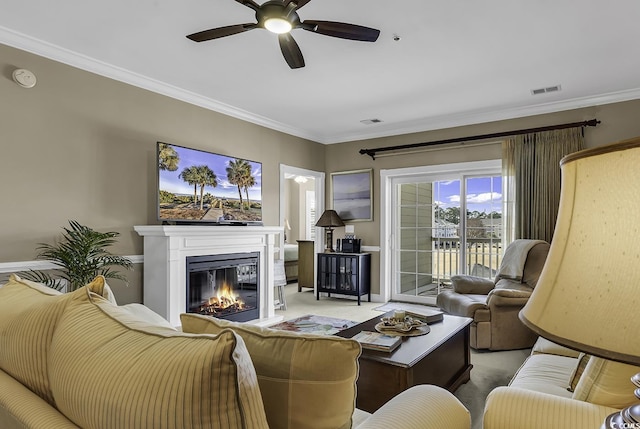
(81, 255)
(44, 278)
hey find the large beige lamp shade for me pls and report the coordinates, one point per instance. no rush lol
(588, 295)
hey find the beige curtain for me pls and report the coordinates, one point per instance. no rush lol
(531, 183)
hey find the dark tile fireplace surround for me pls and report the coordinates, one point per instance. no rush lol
(225, 286)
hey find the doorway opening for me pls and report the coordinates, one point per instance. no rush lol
(301, 199)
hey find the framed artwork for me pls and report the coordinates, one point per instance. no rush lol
(352, 194)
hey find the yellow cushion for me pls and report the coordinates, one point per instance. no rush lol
(23, 409)
(605, 382)
(29, 313)
(306, 381)
(112, 369)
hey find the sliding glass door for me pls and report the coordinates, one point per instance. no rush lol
(483, 226)
(443, 224)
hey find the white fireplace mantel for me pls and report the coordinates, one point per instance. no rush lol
(167, 247)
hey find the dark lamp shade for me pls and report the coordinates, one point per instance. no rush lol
(330, 219)
(588, 295)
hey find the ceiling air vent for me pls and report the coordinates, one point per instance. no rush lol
(545, 90)
(371, 121)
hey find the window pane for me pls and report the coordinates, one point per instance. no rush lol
(407, 193)
(407, 217)
(484, 225)
(425, 262)
(424, 238)
(424, 215)
(408, 238)
(408, 262)
(424, 193)
(408, 284)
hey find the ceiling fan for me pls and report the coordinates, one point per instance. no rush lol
(280, 17)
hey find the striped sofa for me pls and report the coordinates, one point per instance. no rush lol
(78, 360)
(559, 388)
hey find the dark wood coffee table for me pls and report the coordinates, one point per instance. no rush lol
(441, 357)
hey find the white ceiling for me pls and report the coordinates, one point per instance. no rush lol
(457, 63)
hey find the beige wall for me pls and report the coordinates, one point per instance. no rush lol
(80, 146)
(619, 121)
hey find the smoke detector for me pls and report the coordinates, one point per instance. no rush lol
(23, 77)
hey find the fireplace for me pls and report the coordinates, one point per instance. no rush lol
(166, 248)
(226, 286)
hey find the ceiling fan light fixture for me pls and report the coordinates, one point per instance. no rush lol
(280, 17)
(278, 25)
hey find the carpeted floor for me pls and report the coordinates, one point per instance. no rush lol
(303, 303)
(490, 369)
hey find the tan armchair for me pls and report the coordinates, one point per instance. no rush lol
(494, 304)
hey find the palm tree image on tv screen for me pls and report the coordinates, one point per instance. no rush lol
(195, 185)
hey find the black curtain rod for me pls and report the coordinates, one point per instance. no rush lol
(372, 152)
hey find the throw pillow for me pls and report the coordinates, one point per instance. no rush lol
(471, 284)
(29, 314)
(605, 382)
(112, 369)
(145, 313)
(583, 359)
(306, 381)
(545, 346)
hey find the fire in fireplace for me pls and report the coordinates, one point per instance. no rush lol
(224, 286)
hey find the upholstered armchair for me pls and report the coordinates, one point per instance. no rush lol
(494, 304)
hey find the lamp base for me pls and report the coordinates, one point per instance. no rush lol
(629, 417)
(328, 247)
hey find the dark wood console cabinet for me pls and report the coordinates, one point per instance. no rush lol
(345, 274)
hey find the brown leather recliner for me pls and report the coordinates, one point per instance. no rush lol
(494, 304)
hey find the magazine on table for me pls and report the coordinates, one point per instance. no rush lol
(377, 341)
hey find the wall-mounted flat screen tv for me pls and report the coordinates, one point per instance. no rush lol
(200, 186)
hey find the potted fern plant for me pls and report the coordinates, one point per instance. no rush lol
(80, 256)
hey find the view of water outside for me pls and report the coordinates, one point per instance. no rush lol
(430, 229)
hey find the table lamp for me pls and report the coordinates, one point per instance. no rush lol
(329, 220)
(587, 297)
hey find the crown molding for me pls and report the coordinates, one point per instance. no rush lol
(479, 117)
(83, 62)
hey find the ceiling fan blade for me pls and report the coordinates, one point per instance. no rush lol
(291, 51)
(249, 3)
(216, 33)
(342, 30)
(300, 3)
